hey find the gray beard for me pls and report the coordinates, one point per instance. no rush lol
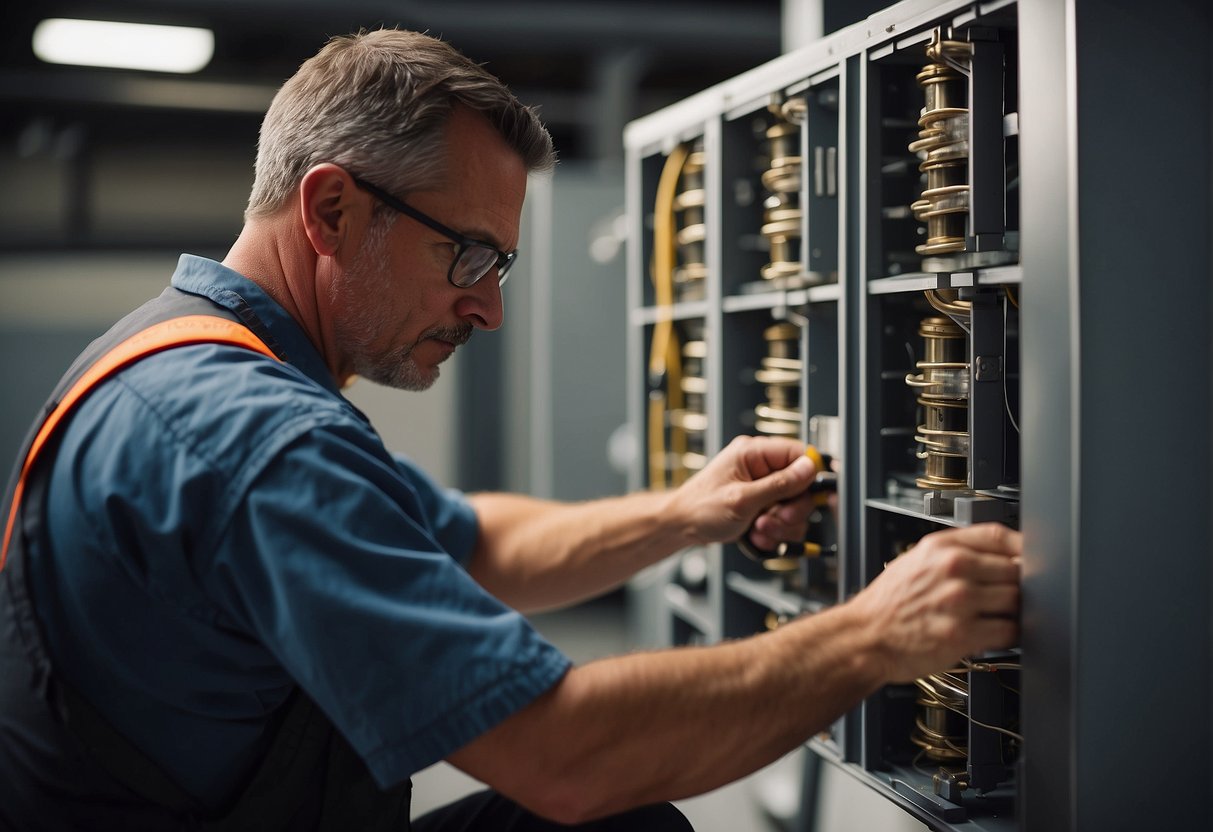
(399, 369)
(354, 293)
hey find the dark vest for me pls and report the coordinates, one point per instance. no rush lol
(62, 766)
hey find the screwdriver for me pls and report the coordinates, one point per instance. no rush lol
(785, 554)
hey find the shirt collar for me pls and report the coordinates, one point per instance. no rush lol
(232, 290)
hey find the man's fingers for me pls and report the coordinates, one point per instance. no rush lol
(998, 599)
(991, 569)
(993, 634)
(784, 484)
(994, 538)
(764, 455)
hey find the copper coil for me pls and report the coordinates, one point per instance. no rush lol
(782, 331)
(942, 86)
(691, 234)
(782, 139)
(943, 146)
(943, 390)
(794, 110)
(784, 179)
(941, 729)
(779, 270)
(930, 118)
(694, 385)
(784, 348)
(786, 226)
(780, 362)
(783, 396)
(689, 199)
(695, 403)
(690, 273)
(777, 378)
(777, 427)
(689, 420)
(692, 169)
(784, 414)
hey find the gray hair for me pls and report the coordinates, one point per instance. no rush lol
(377, 103)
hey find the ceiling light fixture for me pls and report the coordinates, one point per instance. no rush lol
(123, 45)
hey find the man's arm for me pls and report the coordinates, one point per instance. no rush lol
(536, 553)
(633, 730)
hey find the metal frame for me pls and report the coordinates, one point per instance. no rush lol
(1116, 290)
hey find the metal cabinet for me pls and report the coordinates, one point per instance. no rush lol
(939, 246)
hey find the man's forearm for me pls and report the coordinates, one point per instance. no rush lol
(633, 730)
(535, 554)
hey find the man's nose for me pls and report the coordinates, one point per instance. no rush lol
(481, 304)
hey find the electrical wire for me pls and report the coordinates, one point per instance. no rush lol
(987, 725)
(665, 356)
(1006, 400)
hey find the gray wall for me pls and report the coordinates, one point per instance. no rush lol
(530, 407)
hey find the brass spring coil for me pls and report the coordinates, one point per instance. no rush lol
(943, 396)
(940, 729)
(943, 148)
(692, 270)
(781, 369)
(781, 214)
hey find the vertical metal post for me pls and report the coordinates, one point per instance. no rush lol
(987, 375)
(987, 202)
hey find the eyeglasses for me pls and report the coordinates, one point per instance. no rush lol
(473, 258)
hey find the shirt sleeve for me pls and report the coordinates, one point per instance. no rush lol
(451, 517)
(332, 561)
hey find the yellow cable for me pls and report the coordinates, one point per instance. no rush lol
(675, 402)
(665, 342)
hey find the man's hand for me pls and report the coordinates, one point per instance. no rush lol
(756, 480)
(956, 593)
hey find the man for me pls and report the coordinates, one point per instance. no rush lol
(230, 605)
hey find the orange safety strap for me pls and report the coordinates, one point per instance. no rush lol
(176, 332)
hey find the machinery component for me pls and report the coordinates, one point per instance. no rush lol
(666, 440)
(781, 375)
(941, 729)
(956, 727)
(692, 418)
(943, 396)
(781, 214)
(943, 147)
(962, 159)
(691, 271)
(787, 556)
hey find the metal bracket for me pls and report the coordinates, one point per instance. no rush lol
(987, 368)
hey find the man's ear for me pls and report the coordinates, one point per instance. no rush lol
(329, 206)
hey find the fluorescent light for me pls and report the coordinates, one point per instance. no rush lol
(123, 45)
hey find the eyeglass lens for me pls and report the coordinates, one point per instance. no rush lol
(474, 263)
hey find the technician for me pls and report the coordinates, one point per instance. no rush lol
(227, 605)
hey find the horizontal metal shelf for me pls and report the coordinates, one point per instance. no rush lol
(678, 312)
(746, 302)
(970, 507)
(922, 281)
(692, 609)
(770, 593)
(908, 507)
(985, 814)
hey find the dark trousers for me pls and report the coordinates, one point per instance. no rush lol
(488, 811)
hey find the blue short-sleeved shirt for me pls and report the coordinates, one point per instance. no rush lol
(223, 527)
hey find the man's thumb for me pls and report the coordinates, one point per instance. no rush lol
(785, 483)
